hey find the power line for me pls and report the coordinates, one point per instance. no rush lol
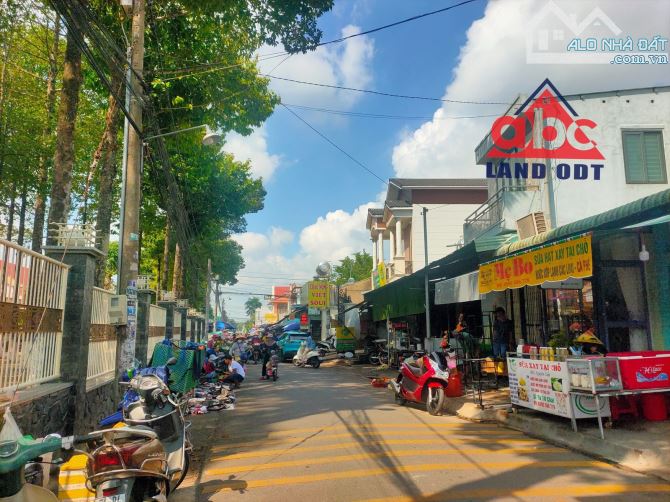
(335, 145)
(382, 93)
(386, 116)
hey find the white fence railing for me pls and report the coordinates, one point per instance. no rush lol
(102, 342)
(32, 298)
(100, 308)
(157, 319)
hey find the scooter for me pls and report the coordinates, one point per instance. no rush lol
(306, 357)
(423, 379)
(328, 345)
(149, 402)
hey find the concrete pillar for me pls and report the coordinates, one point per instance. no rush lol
(169, 317)
(374, 252)
(142, 337)
(77, 323)
(398, 236)
(392, 242)
(184, 320)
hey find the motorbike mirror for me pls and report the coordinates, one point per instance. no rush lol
(171, 361)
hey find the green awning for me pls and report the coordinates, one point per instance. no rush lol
(641, 210)
(406, 296)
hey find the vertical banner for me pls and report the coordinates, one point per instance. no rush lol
(319, 295)
(128, 349)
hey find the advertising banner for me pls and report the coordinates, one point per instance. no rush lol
(545, 386)
(557, 262)
(319, 295)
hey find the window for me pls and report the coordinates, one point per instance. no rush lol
(643, 156)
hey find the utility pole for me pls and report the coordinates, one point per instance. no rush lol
(207, 296)
(131, 191)
(425, 251)
(129, 239)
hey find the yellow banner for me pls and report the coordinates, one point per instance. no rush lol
(558, 262)
(318, 296)
(381, 273)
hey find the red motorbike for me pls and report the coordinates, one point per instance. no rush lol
(423, 379)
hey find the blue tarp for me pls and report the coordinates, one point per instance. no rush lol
(292, 326)
(223, 325)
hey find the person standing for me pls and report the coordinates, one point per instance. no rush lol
(266, 349)
(503, 332)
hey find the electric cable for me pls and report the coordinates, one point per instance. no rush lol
(385, 116)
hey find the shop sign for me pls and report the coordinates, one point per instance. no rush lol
(545, 386)
(319, 294)
(557, 262)
(379, 275)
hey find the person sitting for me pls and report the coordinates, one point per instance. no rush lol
(235, 373)
(273, 362)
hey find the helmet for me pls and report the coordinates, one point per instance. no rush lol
(588, 338)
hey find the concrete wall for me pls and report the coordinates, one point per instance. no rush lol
(445, 226)
(575, 199)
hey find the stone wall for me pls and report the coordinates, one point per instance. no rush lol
(52, 413)
(99, 403)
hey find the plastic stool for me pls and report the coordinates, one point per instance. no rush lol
(624, 405)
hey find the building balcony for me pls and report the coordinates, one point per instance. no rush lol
(500, 213)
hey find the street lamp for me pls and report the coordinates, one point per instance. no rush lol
(211, 138)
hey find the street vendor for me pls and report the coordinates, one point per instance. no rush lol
(588, 344)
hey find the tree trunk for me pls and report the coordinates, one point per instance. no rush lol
(43, 168)
(178, 273)
(106, 154)
(166, 257)
(22, 215)
(10, 215)
(64, 155)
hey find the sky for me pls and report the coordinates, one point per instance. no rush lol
(317, 197)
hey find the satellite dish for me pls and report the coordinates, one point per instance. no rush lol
(323, 269)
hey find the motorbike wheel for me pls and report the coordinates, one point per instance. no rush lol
(274, 376)
(314, 361)
(182, 474)
(400, 400)
(383, 358)
(296, 363)
(374, 359)
(434, 400)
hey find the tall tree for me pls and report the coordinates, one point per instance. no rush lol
(251, 305)
(357, 267)
(64, 154)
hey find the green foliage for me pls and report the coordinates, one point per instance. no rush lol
(559, 340)
(357, 266)
(251, 305)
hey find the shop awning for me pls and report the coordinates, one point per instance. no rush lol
(406, 296)
(463, 288)
(641, 210)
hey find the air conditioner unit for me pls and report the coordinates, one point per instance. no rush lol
(532, 224)
(118, 309)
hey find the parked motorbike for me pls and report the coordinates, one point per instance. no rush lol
(149, 402)
(327, 345)
(306, 357)
(423, 379)
(378, 354)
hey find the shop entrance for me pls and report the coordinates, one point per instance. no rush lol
(622, 299)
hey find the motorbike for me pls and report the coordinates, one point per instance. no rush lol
(423, 379)
(256, 354)
(326, 346)
(149, 402)
(273, 370)
(377, 352)
(306, 357)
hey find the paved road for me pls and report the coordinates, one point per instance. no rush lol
(327, 435)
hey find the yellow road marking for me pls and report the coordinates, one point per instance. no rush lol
(539, 491)
(380, 471)
(363, 456)
(320, 437)
(341, 446)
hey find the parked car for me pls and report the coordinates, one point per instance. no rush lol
(290, 344)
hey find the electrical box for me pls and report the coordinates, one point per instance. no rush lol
(118, 309)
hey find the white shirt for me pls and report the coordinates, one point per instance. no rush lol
(237, 367)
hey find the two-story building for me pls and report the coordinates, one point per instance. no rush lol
(622, 204)
(397, 229)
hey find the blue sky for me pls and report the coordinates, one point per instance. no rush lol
(317, 197)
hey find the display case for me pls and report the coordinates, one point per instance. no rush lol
(595, 374)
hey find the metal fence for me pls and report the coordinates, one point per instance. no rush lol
(157, 321)
(101, 366)
(32, 298)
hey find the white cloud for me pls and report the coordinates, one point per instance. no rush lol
(254, 148)
(345, 64)
(492, 67)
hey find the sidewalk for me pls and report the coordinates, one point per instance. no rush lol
(639, 445)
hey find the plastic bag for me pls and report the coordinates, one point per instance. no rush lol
(10, 430)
